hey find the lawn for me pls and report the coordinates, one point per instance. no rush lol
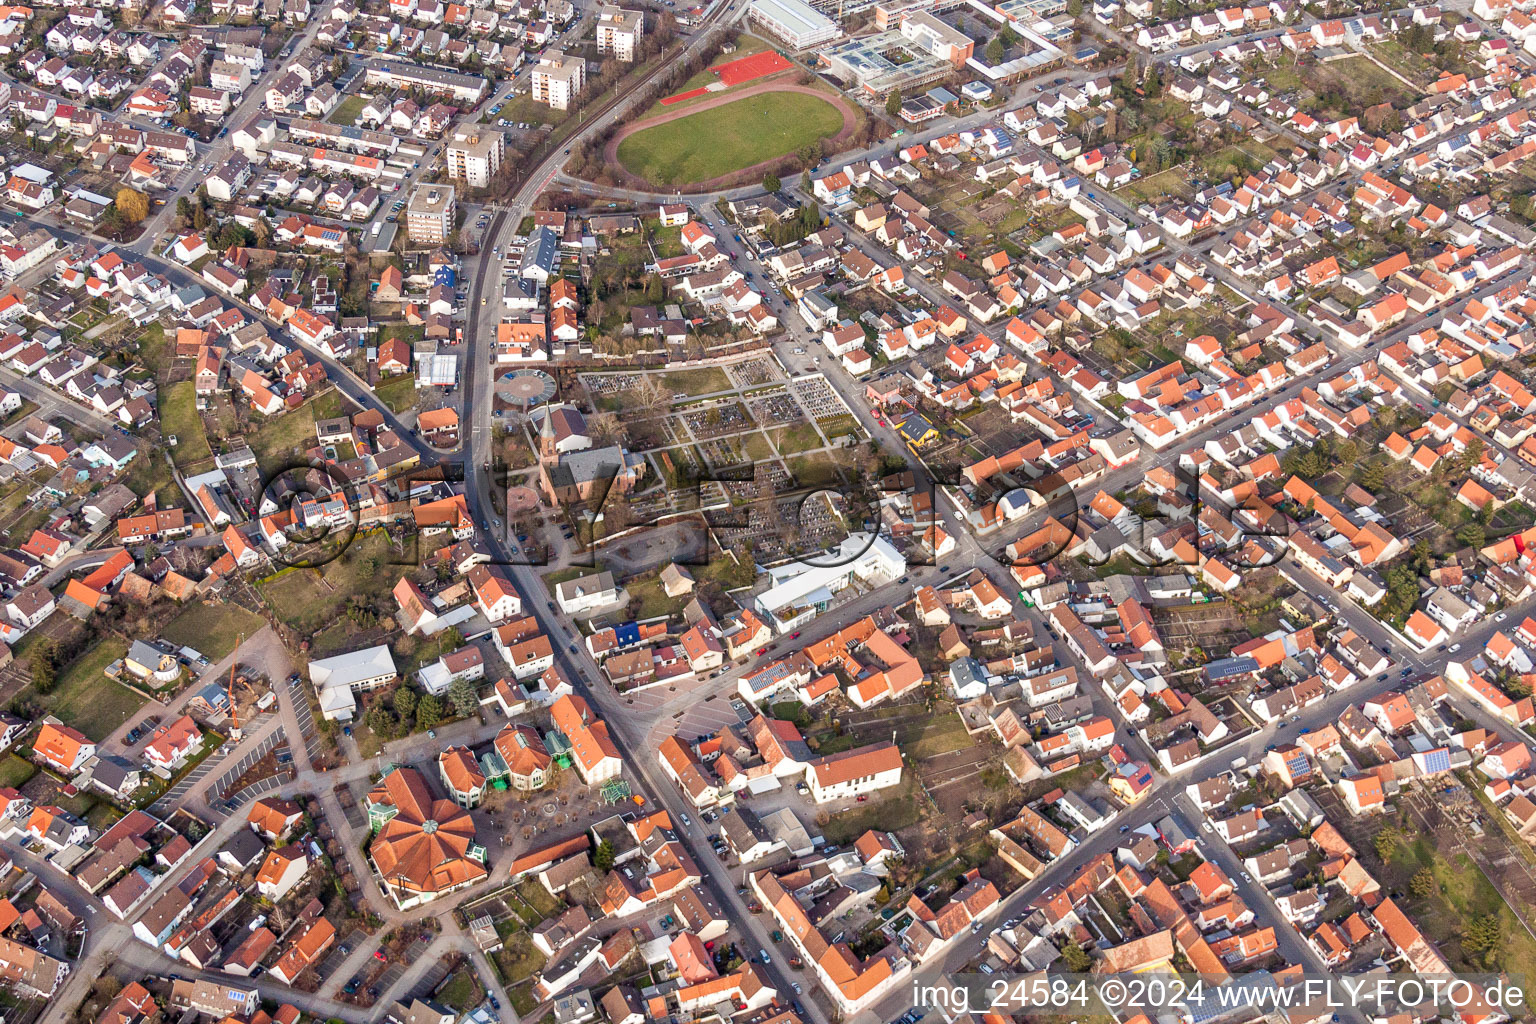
(398, 393)
(647, 599)
(15, 771)
(1240, 159)
(525, 108)
(522, 998)
(1464, 894)
(462, 992)
(328, 406)
(889, 809)
(1358, 80)
(310, 599)
(727, 138)
(1156, 188)
(703, 381)
(281, 440)
(801, 437)
(348, 111)
(518, 958)
(86, 699)
(212, 629)
(179, 416)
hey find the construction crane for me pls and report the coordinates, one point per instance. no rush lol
(234, 709)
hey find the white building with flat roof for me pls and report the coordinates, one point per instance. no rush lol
(619, 32)
(474, 156)
(335, 679)
(794, 21)
(801, 590)
(558, 79)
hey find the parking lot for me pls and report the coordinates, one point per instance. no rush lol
(239, 767)
(299, 694)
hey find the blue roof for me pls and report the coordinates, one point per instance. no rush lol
(445, 275)
(1226, 668)
(627, 633)
(1437, 760)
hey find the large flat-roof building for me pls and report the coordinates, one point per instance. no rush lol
(335, 679)
(474, 157)
(797, 23)
(884, 62)
(558, 79)
(430, 213)
(466, 89)
(619, 32)
(803, 589)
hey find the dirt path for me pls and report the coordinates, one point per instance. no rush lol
(611, 150)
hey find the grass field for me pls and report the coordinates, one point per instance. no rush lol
(399, 393)
(347, 111)
(702, 381)
(310, 599)
(1361, 81)
(87, 699)
(16, 770)
(282, 439)
(727, 138)
(462, 991)
(178, 415)
(211, 629)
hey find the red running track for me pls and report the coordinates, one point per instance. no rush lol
(759, 65)
(735, 72)
(679, 97)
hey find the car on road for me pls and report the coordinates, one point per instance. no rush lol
(378, 955)
(763, 953)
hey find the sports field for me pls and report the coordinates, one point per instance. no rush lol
(727, 138)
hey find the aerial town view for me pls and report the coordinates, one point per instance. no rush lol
(767, 512)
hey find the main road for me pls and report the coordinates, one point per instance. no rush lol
(570, 653)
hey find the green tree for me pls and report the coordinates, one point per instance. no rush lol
(995, 50)
(893, 103)
(450, 639)
(429, 712)
(1471, 534)
(1483, 938)
(1386, 843)
(1373, 476)
(1077, 961)
(43, 677)
(771, 182)
(1423, 884)
(602, 857)
(382, 722)
(405, 701)
(465, 700)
